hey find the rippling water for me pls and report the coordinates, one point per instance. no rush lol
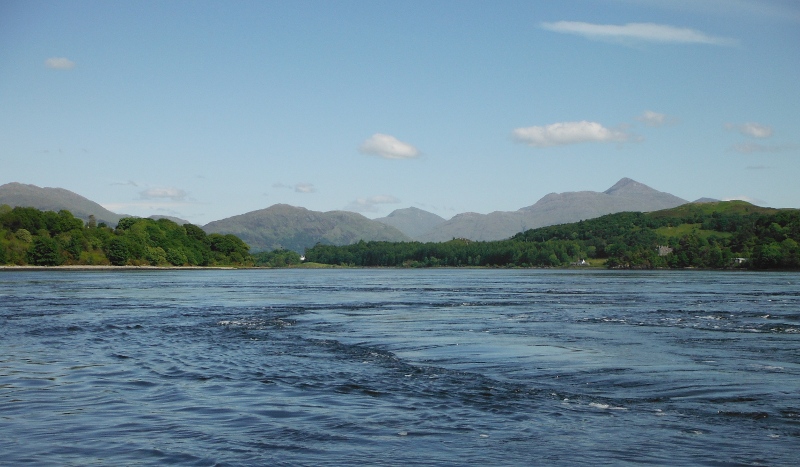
(391, 367)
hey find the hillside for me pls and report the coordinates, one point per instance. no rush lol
(552, 209)
(295, 228)
(55, 199)
(29, 236)
(413, 222)
(707, 208)
(713, 235)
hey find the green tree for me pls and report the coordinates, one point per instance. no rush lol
(176, 257)
(276, 258)
(117, 251)
(44, 252)
(3, 249)
(24, 235)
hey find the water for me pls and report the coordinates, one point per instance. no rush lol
(399, 367)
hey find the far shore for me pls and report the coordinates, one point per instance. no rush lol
(88, 267)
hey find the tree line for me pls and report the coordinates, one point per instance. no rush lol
(29, 236)
(724, 235)
(693, 236)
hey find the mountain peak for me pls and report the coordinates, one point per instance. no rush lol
(412, 221)
(628, 186)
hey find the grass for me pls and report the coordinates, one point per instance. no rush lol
(724, 207)
(686, 229)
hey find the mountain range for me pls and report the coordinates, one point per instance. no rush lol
(554, 208)
(297, 228)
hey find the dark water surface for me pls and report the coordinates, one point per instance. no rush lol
(399, 367)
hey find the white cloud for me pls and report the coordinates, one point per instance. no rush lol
(750, 147)
(297, 187)
(568, 133)
(638, 32)
(304, 188)
(754, 130)
(388, 147)
(59, 63)
(128, 183)
(371, 204)
(655, 119)
(174, 194)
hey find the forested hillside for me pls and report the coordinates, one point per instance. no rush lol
(29, 236)
(706, 235)
(288, 227)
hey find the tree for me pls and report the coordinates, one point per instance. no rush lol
(126, 222)
(44, 252)
(176, 257)
(276, 258)
(117, 251)
(24, 235)
(194, 232)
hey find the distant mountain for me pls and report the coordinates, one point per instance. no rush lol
(555, 208)
(412, 221)
(471, 225)
(640, 194)
(295, 228)
(55, 199)
(625, 195)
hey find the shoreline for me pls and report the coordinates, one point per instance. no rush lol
(87, 267)
(101, 267)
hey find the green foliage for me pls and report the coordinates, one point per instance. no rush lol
(44, 252)
(24, 236)
(176, 257)
(709, 235)
(163, 242)
(686, 229)
(276, 258)
(60, 238)
(117, 251)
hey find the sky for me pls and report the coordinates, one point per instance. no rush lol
(209, 109)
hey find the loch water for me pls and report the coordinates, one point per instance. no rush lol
(399, 367)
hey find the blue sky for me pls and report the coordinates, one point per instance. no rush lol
(204, 110)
